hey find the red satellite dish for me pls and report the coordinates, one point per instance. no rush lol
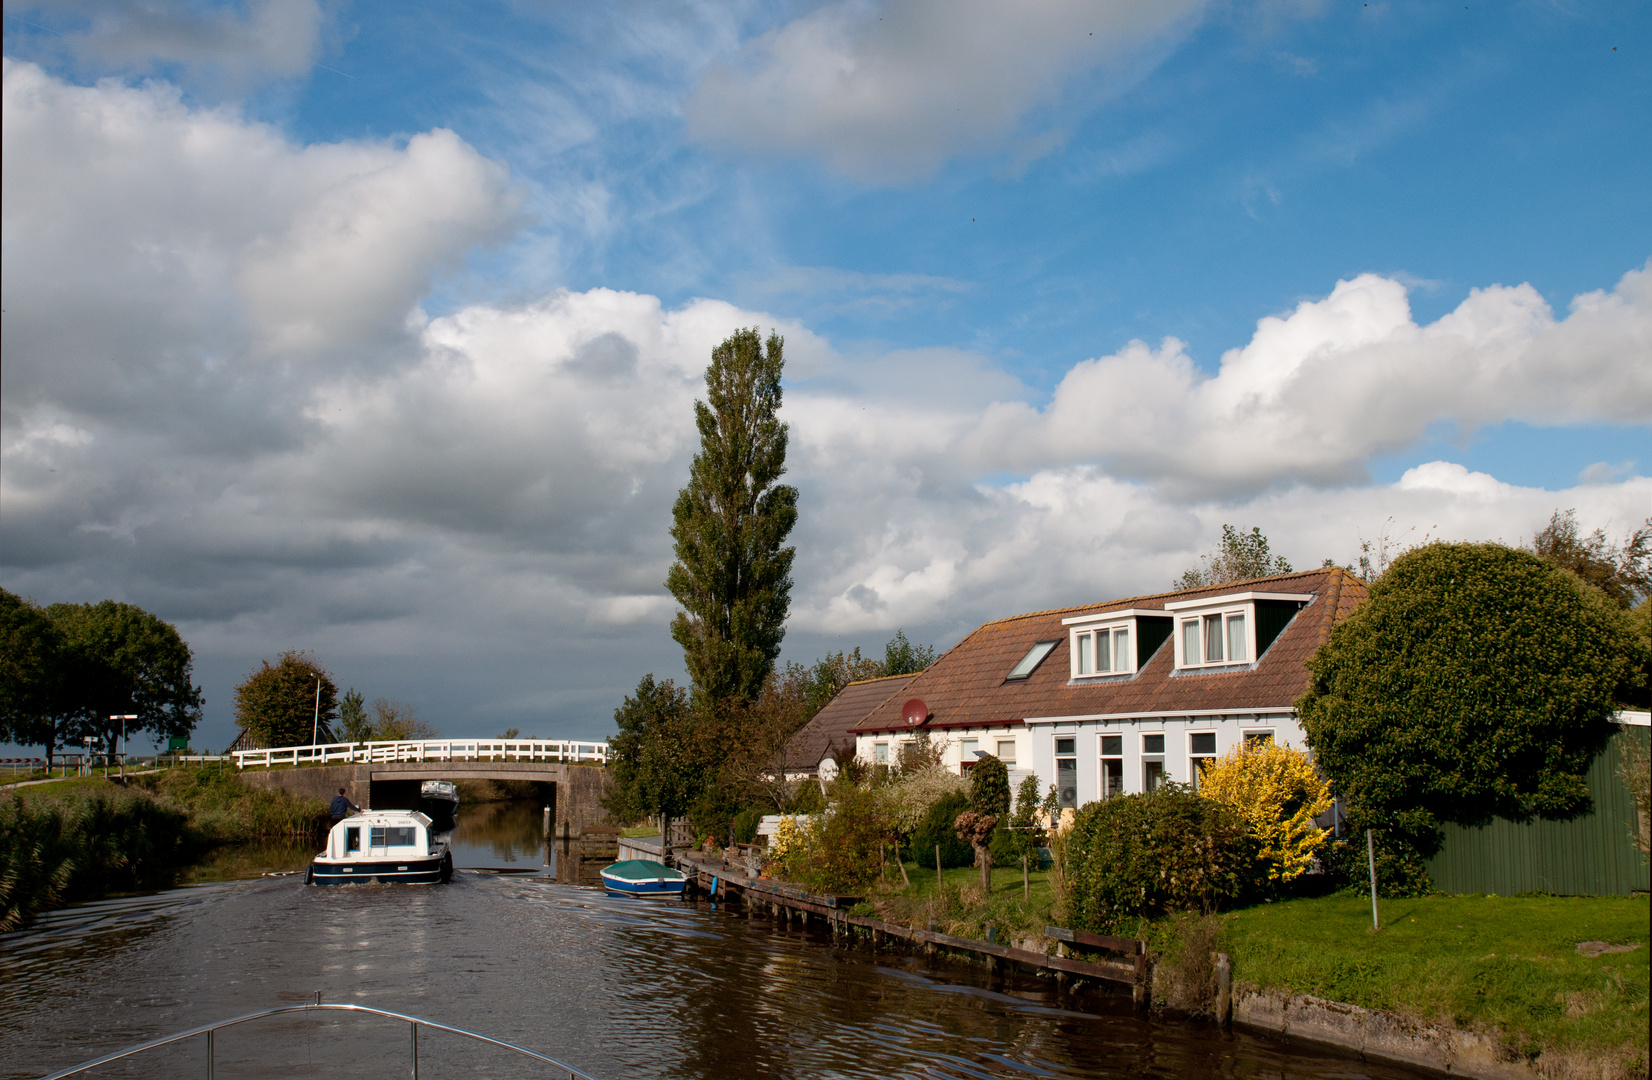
(914, 712)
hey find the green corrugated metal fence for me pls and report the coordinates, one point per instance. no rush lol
(1589, 856)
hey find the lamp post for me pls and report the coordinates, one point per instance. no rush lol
(315, 726)
(123, 718)
(88, 762)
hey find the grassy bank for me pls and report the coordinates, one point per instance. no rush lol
(1508, 965)
(80, 839)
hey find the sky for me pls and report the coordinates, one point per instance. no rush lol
(374, 329)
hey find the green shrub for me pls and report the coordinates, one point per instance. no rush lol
(936, 829)
(808, 800)
(1475, 682)
(745, 824)
(1135, 856)
(841, 852)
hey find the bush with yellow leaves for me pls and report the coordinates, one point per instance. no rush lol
(1278, 793)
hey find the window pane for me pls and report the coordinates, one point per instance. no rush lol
(1255, 740)
(1152, 775)
(1152, 744)
(1066, 781)
(1236, 637)
(967, 749)
(1121, 649)
(1112, 778)
(1196, 766)
(1006, 751)
(1034, 657)
(880, 753)
(400, 836)
(376, 837)
(1213, 638)
(1084, 664)
(1065, 746)
(1104, 654)
(1112, 745)
(1190, 641)
(1202, 742)
(352, 839)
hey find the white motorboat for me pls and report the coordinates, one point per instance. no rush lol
(439, 799)
(383, 845)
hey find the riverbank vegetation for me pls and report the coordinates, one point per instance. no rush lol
(75, 840)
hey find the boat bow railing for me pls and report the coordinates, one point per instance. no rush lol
(414, 1022)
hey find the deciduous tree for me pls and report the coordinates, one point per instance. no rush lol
(733, 571)
(1239, 557)
(277, 704)
(1621, 571)
(1475, 681)
(30, 675)
(118, 659)
(658, 759)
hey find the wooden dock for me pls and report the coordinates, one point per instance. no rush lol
(724, 882)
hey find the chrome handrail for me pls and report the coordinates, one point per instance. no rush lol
(315, 1006)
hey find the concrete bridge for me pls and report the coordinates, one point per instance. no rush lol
(575, 801)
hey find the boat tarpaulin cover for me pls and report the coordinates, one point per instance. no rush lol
(642, 870)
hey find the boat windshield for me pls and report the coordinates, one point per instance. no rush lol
(394, 836)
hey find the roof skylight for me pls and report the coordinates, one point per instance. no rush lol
(1034, 657)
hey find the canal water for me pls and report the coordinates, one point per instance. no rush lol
(615, 986)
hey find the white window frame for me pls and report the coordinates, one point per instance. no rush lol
(1196, 760)
(999, 747)
(880, 753)
(1059, 757)
(1103, 757)
(1162, 756)
(1223, 607)
(1089, 626)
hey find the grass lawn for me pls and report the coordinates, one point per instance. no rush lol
(1505, 962)
(958, 905)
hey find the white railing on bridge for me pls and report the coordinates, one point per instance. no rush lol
(365, 753)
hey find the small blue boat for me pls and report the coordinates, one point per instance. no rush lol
(639, 877)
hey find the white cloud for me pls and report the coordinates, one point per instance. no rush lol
(221, 401)
(888, 91)
(1319, 392)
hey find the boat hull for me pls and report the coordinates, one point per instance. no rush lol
(645, 887)
(427, 871)
(442, 812)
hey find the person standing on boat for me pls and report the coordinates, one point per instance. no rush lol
(342, 806)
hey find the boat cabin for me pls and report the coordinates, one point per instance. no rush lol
(383, 845)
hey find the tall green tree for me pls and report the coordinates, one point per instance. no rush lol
(732, 575)
(1475, 681)
(30, 675)
(1239, 557)
(279, 704)
(352, 717)
(118, 659)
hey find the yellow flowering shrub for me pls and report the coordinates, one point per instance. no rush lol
(1278, 793)
(787, 838)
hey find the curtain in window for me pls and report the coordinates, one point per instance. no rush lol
(1121, 649)
(1213, 638)
(1236, 637)
(1084, 654)
(1190, 641)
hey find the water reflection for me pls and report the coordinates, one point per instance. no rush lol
(501, 835)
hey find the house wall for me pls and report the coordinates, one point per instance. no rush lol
(952, 741)
(1040, 736)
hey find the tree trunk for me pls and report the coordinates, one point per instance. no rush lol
(983, 859)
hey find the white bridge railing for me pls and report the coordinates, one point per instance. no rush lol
(365, 753)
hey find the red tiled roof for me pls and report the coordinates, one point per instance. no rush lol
(831, 725)
(966, 686)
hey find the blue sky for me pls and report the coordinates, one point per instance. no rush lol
(325, 376)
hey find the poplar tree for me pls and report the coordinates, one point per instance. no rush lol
(733, 574)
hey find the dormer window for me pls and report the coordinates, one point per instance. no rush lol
(1219, 631)
(1113, 642)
